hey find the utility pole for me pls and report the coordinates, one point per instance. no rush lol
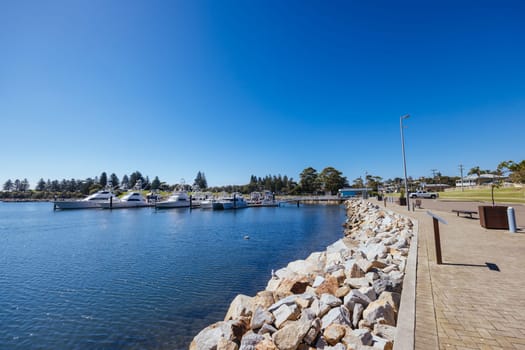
(461, 170)
(434, 171)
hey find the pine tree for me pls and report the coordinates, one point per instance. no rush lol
(8, 185)
(41, 186)
(155, 184)
(125, 181)
(200, 181)
(103, 181)
(114, 180)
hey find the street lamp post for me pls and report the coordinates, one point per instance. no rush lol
(404, 158)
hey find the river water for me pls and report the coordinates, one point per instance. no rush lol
(140, 278)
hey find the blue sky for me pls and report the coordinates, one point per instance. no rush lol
(235, 88)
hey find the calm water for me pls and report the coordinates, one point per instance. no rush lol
(136, 278)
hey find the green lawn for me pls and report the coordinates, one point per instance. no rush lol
(501, 195)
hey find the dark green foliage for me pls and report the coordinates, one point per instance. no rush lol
(134, 177)
(200, 181)
(103, 180)
(125, 181)
(8, 185)
(155, 184)
(309, 181)
(332, 180)
(114, 180)
(41, 186)
(516, 170)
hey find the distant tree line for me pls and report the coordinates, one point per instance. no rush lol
(275, 183)
(310, 182)
(329, 180)
(16, 185)
(76, 188)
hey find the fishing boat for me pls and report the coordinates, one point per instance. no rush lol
(92, 201)
(130, 200)
(179, 199)
(198, 197)
(265, 199)
(207, 203)
(236, 201)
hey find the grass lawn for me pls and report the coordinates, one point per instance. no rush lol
(501, 195)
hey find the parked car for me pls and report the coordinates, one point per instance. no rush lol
(424, 194)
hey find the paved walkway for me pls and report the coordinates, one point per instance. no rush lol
(462, 304)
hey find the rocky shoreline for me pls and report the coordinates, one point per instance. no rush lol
(346, 297)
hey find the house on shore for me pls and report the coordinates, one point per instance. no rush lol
(435, 187)
(475, 180)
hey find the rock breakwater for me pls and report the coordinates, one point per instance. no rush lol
(346, 297)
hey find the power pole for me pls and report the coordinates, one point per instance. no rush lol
(434, 171)
(461, 170)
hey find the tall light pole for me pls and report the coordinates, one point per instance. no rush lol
(404, 158)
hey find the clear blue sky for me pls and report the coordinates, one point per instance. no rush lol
(235, 88)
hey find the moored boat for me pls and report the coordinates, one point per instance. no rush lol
(130, 200)
(198, 197)
(178, 199)
(236, 201)
(265, 199)
(207, 203)
(92, 201)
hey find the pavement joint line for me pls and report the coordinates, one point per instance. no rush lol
(432, 293)
(446, 294)
(406, 325)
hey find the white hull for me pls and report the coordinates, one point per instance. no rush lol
(173, 204)
(206, 204)
(131, 200)
(231, 203)
(92, 201)
(122, 205)
(63, 205)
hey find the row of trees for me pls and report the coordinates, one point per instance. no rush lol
(328, 180)
(275, 183)
(78, 188)
(16, 185)
(310, 182)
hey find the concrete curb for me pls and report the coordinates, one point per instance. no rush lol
(406, 318)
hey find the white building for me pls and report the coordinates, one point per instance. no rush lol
(475, 180)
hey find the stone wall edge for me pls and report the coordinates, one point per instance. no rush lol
(406, 320)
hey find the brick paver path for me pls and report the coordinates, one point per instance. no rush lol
(462, 304)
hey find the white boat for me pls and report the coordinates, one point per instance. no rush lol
(266, 199)
(92, 201)
(236, 201)
(269, 199)
(207, 203)
(130, 200)
(198, 197)
(215, 202)
(178, 199)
